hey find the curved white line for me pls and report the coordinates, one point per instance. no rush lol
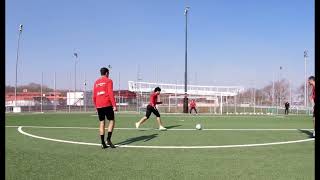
(166, 147)
(50, 139)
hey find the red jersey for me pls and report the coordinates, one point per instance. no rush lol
(103, 93)
(313, 94)
(193, 104)
(153, 99)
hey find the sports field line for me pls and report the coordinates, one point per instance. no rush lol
(166, 147)
(57, 127)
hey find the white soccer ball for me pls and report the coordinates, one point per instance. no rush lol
(198, 127)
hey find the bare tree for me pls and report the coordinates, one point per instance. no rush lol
(282, 91)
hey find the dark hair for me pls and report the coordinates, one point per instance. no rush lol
(104, 71)
(311, 78)
(157, 89)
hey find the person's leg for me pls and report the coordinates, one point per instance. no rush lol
(110, 117)
(110, 130)
(142, 120)
(102, 132)
(159, 122)
(156, 112)
(314, 127)
(101, 115)
(314, 121)
(196, 110)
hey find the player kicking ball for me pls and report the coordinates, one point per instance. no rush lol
(151, 108)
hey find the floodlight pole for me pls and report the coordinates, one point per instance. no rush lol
(54, 100)
(15, 89)
(119, 93)
(85, 93)
(41, 99)
(280, 76)
(75, 72)
(185, 101)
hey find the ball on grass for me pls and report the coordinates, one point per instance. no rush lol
(198, 127)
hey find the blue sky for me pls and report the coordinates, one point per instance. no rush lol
(230, 42)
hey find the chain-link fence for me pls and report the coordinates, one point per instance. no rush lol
(40, 98)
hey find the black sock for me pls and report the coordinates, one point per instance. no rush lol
(109, 136)
(102, 139)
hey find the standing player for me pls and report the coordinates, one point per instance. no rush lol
(151, 108)
(193, 106)
(312, 82)
(286, 105)
(104, 102)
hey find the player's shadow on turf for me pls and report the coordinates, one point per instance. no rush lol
(309, 133)
(170, 127)
(144, 138)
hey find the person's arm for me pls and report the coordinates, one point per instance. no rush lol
(158, 102)
(94, 95)
(111, 95)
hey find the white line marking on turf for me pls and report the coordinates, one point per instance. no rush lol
(57, 127)
(167, 147)
(50, 139)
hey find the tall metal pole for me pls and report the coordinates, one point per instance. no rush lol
(254, 99)
(235, 102)
(54, 100)
(185, 104)
(85, 93)
(75, 72)
(69, 98)
(290, 97)
(138, 88)
(280, 76)
(119, 93)
(273, 91)
(41, 90)
(305, 77)
(15, 89)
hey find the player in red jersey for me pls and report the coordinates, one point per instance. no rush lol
(311, 81)
(193, 106)
(105, 104)
(151, 108)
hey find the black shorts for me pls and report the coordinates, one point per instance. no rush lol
(105, 111)
(151, 109)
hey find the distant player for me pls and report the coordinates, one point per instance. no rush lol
(312, 82)
(193, 106)
(287, 106)
(151, 108)
(104, 102)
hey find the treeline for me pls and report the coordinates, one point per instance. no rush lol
(33, 87)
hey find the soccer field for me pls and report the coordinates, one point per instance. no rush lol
(67, 146)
